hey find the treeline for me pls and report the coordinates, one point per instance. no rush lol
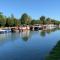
(8, 21)
(24, 20)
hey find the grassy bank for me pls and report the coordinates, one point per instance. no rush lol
(55, 53)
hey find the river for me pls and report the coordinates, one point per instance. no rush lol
(28, 45)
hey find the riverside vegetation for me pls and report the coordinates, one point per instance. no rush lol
(24, 20)
(55, 53)
(42, 40)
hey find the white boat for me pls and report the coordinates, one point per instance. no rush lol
(4, 30)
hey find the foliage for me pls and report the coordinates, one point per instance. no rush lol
(2, 19)
(25, 20)
(12, 21)
(33, 22)
(42, 20)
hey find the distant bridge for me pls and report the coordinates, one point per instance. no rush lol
(39, 27)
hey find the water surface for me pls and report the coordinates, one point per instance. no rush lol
(28, 45)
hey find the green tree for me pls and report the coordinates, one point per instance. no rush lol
(2, 19)
(12, 20)
(29, 20)
(48, 20)
(25, 19)
(42, 20)
(8, 22)
(33, 22)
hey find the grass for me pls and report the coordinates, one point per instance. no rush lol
(55, 53)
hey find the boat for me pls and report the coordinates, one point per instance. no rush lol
(5, 30)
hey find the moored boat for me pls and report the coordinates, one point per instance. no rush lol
(5, 30)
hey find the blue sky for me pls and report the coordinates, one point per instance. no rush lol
(34, 8)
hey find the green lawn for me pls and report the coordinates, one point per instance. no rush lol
(55, 53)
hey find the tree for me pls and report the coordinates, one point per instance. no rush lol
(25, 19)
(14, 21)
(29, 20)
(8, 22)
(48, 21)
(42, 20)
(33, 22)
(2, 19)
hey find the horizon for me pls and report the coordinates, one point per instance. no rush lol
(34, 8)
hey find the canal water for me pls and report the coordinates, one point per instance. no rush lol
(28, 45)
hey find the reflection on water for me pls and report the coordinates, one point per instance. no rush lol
(28, 45)
(43, 33)
(25, 35)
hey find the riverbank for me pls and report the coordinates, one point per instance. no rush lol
(32, 27)
(55, 53)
